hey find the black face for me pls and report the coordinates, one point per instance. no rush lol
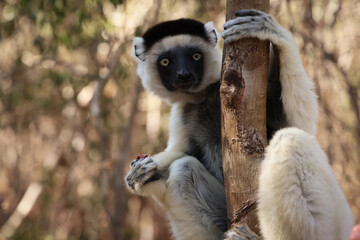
(181, 68)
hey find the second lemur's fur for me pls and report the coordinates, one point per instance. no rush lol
(299, 197)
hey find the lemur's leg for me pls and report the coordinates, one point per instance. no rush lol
(195, 201)
(299, 197)
(298, 96)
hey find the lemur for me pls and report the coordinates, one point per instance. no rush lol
(298, 197)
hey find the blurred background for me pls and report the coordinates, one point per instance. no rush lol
(73, 114)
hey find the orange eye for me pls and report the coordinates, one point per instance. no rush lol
(196, 56)
(164, 62)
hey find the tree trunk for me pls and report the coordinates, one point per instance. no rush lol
(243, 116)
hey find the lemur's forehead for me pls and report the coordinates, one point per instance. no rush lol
(183, 40)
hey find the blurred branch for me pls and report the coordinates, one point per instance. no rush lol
(113, 57)
(22, 210)
(95, 109)
(120, 200)
(30, 197)
(119, 216)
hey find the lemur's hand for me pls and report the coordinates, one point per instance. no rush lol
(142, 171)
(256, 24)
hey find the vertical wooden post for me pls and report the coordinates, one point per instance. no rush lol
(243, 115)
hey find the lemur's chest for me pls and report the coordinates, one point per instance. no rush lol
(202, 123)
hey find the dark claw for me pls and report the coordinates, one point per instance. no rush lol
(129, 183)
(128, 178)
(247, 12)
(132, 163)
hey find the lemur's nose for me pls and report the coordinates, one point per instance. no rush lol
(185, 76)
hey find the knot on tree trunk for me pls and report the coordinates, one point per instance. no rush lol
(232, 88)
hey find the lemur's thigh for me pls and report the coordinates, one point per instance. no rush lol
(299, 197)
(195, 201)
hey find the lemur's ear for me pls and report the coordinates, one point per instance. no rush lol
(212, 33)
(139, 48)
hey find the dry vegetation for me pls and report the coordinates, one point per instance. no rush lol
(63, 156)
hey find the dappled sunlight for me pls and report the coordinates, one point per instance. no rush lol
(86, 94)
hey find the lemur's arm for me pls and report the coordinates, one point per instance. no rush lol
(143, 173)
(297, 95)
(177, 143)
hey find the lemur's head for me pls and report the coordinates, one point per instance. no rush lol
(177, 59)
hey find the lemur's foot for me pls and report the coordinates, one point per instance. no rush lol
(142, 171)
(256, 24)
(241, 232)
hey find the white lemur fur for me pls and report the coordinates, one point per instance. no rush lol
(299, 197)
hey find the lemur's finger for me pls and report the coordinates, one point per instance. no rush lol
(243, 30)
(248, 12)
(237, 21)
(145, 176)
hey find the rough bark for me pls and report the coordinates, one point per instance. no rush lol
(243, 102)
